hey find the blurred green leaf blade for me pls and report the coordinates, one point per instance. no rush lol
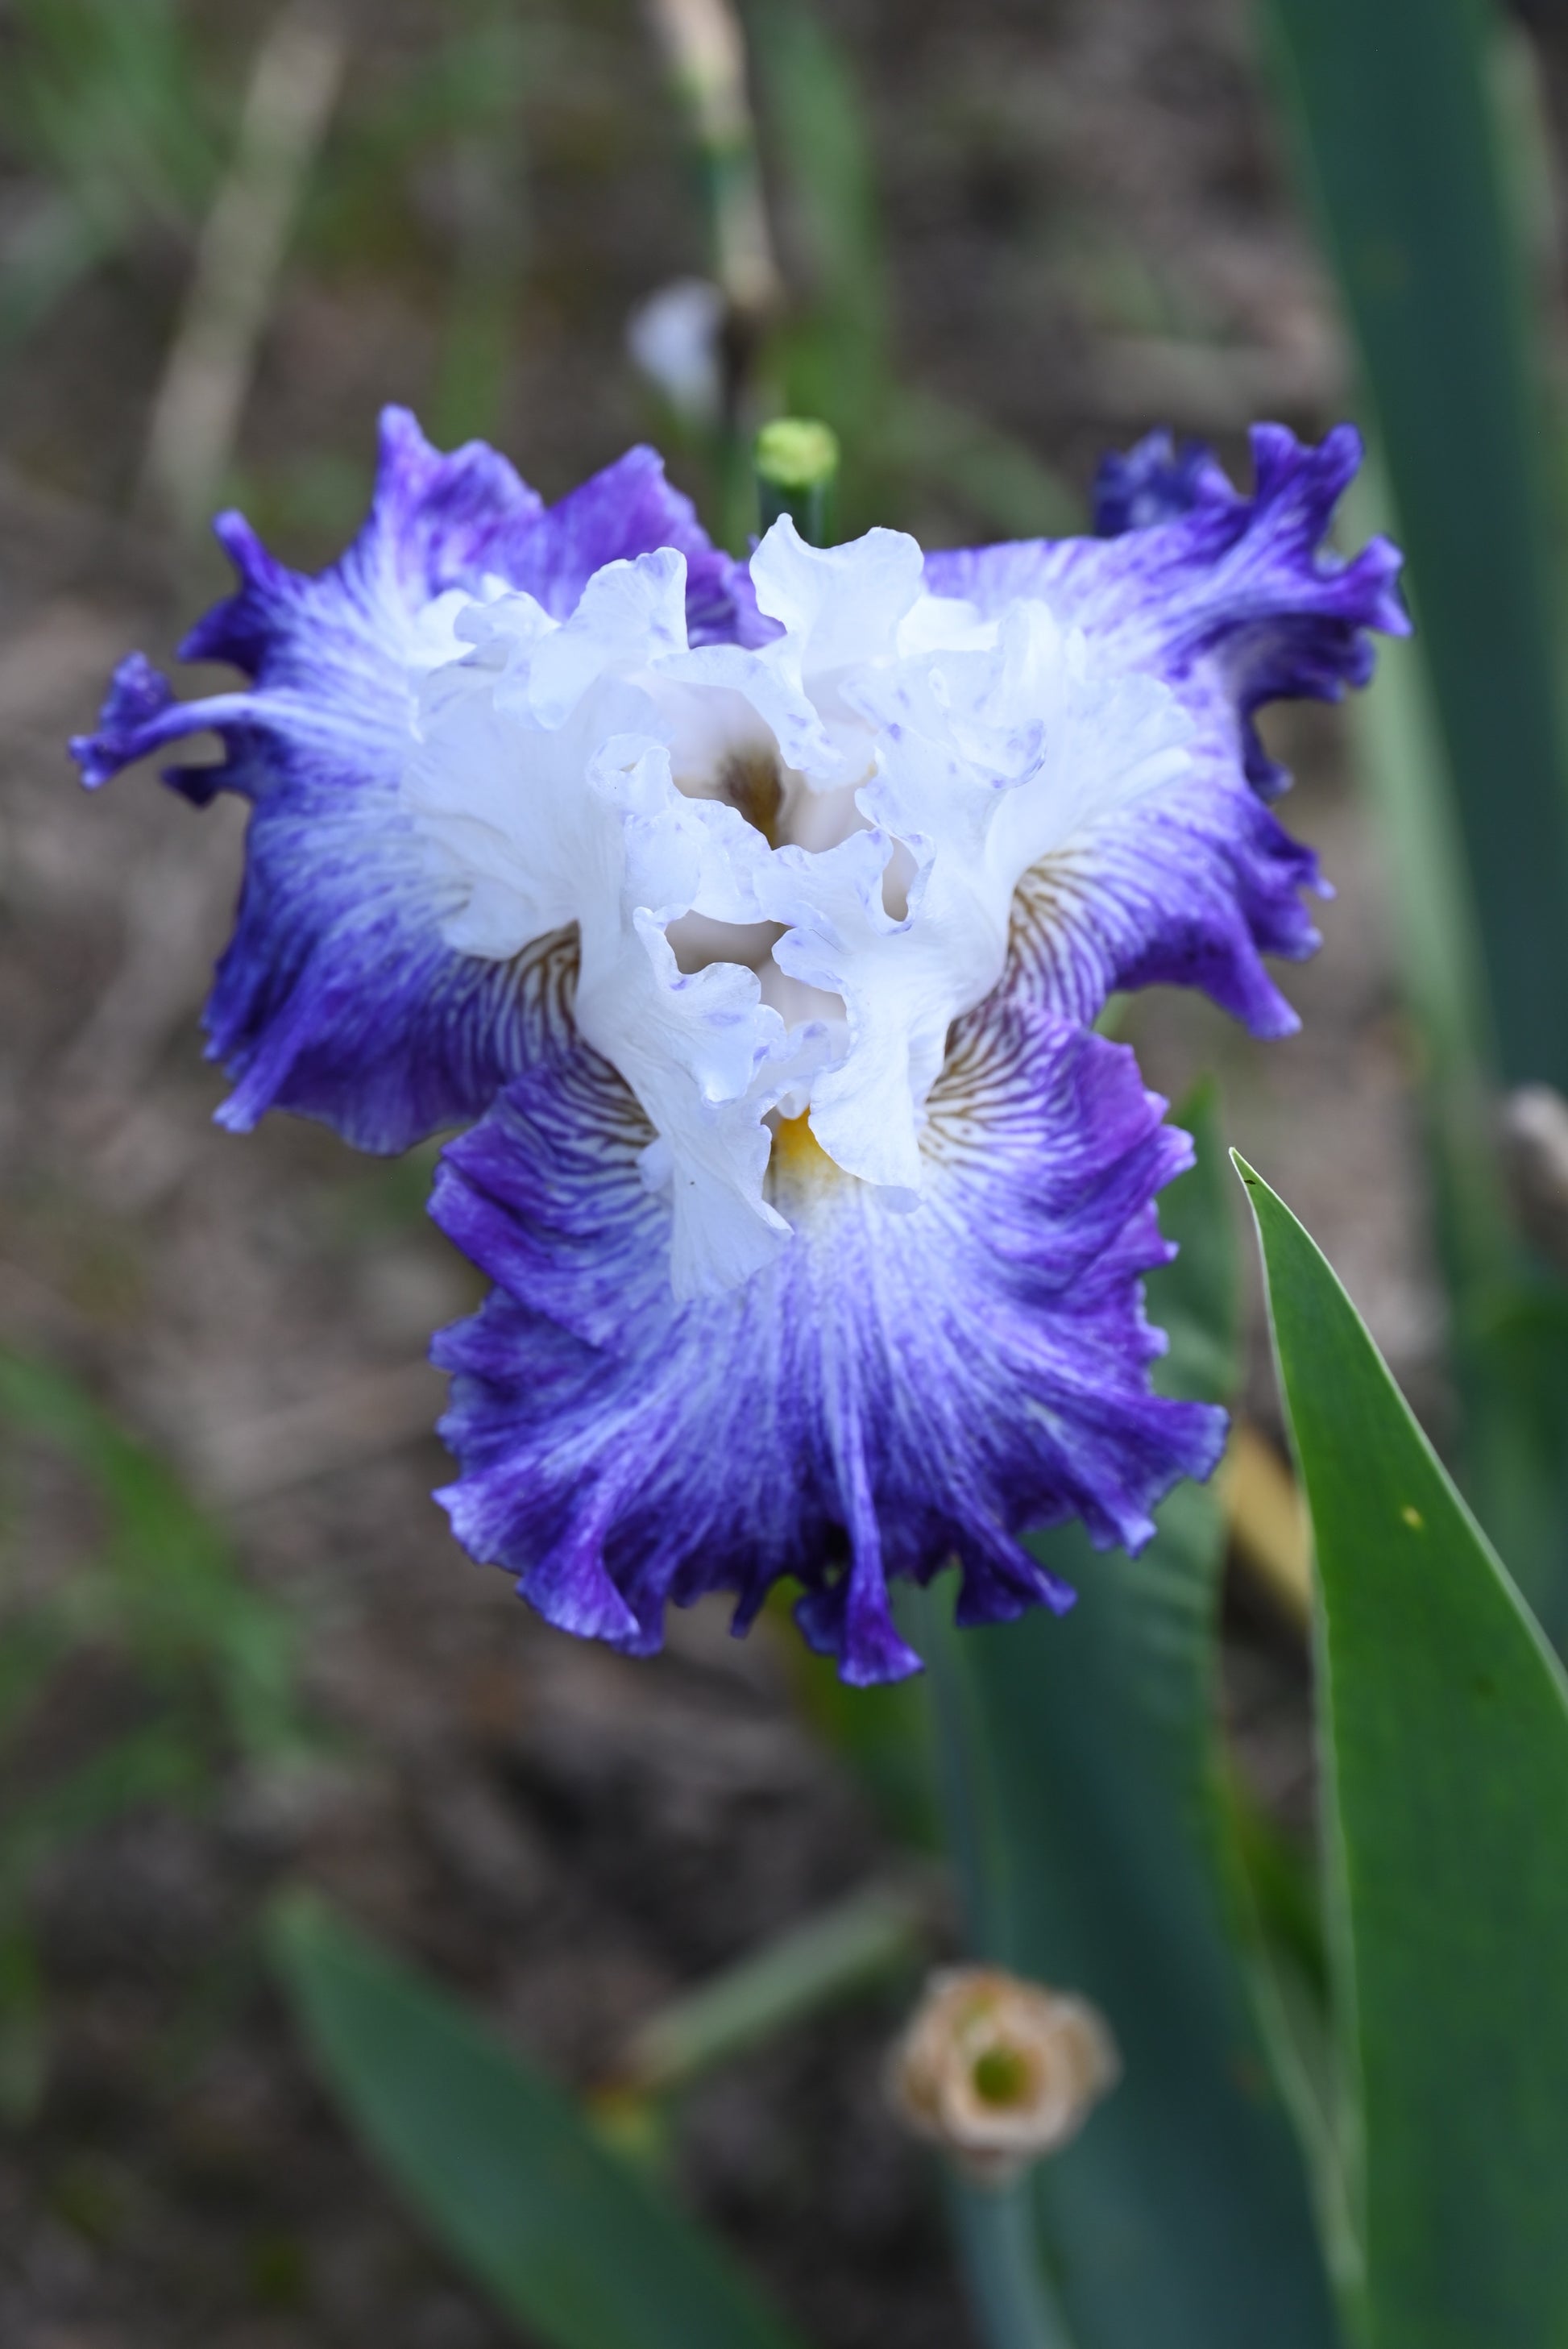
(212, 1661)
(904, 445)
(177, 1594)
(1402, 151)
(503, 2165)
(1444, 1725)
(1509, 1320)
(1082, 1783)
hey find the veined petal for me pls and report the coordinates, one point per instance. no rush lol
(341, 996)
(630, 613)
(893, 977)
(629, 509)
(991, 759)
(1234, 597)
(1231, 601)
(892, 1389)
(539, 807)
(1156, 482)
(759, 917)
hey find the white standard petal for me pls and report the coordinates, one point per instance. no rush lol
(990, 760)
(510, 837)
(706, 1057)
(845, 943)
(630, 615)
(838, 606)
(841, 607)
(543, 800)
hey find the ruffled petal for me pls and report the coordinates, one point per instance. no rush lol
(991, 760)
(1231, 601)
(629, 510)
(536, 812)
(1156, 482)
(838, 608)
(1232, 596)
(340, 996)
(894, 1390)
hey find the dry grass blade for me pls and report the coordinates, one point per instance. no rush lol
(196, 414)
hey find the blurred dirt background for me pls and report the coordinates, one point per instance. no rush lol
(1087, 232)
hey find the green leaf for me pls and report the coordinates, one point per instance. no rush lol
(1402, 151)
(1423, 185)
(503, 2165)
(1509, 1318)
(1443, 1721)
(1079, 1758)
(1017, 2307)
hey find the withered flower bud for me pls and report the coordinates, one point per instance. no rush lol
(1000, 2072)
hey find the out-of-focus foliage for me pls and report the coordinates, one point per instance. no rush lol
(837, 357)
(829, 348)
(1510, 1312)
(1412, 162)
(105, 99)
(122, 121)
(209, 1661)
(565, 2234)
(1403, 151)
(1182, 2218)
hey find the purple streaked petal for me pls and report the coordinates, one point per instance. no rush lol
(897, 1388)
(629, 510)
(1156, 482)
(1232, 602)
(1190, 891)
(1231, 598)
(338, 996)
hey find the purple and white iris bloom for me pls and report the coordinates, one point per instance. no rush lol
(757, 917)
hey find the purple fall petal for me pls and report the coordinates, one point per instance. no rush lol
(899, 1389)
(1233, 603)
(339, 997)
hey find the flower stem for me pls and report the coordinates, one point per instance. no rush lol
(994, 2227)
(1014, 2303)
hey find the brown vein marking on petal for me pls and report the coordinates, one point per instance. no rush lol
(1047, 908)
(545, 976)
(977, 1092)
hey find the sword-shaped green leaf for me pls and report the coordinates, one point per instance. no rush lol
(1443, 1724)
(1399, 138)
(501, 2165)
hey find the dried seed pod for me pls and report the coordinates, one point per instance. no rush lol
(998, 2071)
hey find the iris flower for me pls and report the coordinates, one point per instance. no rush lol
(754, 919)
